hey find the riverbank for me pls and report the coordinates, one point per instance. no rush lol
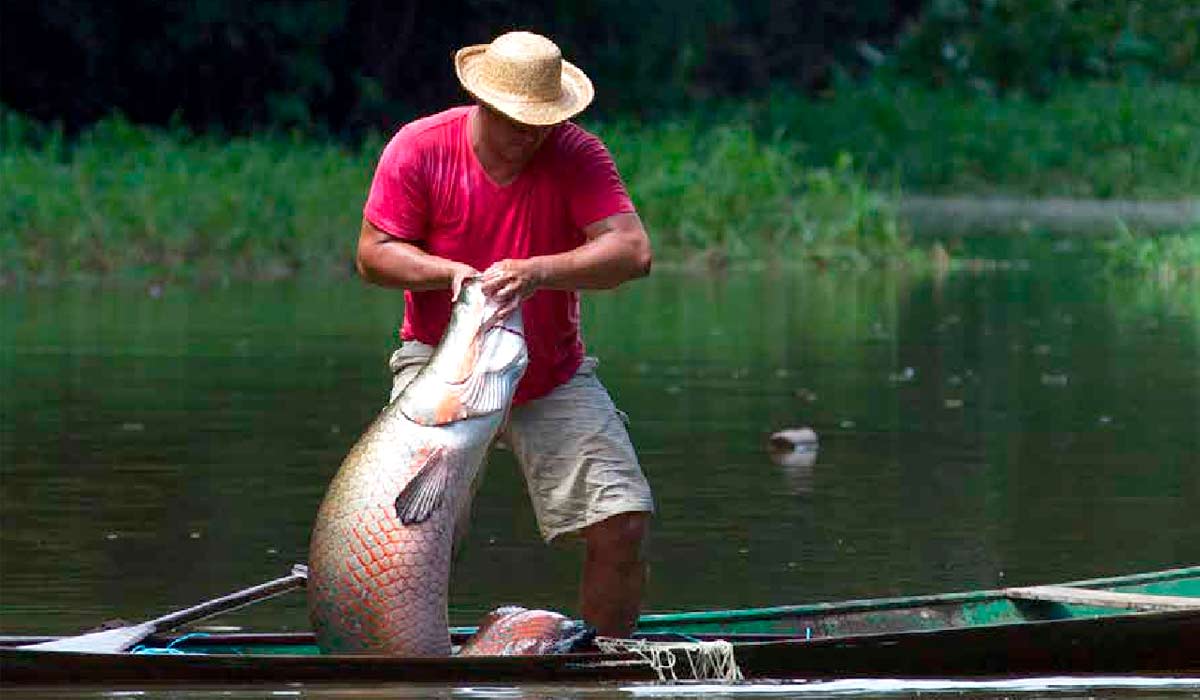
(831, 181)
(978, 216)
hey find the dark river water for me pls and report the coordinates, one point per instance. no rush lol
(159, 446)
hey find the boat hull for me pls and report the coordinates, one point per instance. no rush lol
(1142, 624)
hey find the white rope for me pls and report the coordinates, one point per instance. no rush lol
(706, 661)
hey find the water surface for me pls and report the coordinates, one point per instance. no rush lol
(162, 445)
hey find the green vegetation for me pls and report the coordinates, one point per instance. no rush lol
(722, 191)
(134, 200)
(785, 179)
(748, 130)
(1034, 46)
(1087, 140)
(130, 200)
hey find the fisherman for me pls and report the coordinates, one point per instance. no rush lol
(509, 189)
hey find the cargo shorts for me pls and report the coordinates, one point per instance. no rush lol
(579, 463)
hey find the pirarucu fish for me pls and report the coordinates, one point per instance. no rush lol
(379, 559)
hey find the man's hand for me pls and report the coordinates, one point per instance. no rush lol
(459, 273)
(511, 282)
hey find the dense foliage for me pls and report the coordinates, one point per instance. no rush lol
(996, 46)
(345, 65)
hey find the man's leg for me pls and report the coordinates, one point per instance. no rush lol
(584, 478)
(610, 595)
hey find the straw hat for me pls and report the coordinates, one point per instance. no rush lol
(524, 76)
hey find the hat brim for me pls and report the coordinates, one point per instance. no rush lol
(577, 92)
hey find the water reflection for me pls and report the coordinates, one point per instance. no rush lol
(156, 450)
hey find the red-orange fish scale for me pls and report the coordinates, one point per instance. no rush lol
(377, 584)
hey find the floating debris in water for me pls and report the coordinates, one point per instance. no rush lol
(953, 403)
(847, 424)
(133, 427)
(1105, 420)
(272, 551)
(905, 375)
(111, 536)
(793, 447)
(674, 389)
(1056, 379)
(194, 534)
(782, 373)
(1042, 349)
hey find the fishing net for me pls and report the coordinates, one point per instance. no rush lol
(675, 661)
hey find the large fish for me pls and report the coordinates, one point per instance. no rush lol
(379, 559)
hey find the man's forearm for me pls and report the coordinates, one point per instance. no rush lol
(390, 266)
(389, 262)
(604, 262)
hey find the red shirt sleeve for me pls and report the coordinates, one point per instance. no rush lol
(596, 190)
(397, 203)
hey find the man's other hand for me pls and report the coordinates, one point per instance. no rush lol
(511, 282)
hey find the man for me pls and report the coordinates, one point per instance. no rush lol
(510, 190)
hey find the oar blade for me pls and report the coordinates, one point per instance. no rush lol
(112, 641)
(121, 639)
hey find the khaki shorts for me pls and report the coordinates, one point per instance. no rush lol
(580, 466)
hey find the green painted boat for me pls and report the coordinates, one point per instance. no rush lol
(1138, 624)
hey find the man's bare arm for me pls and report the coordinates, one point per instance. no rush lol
(617, 250)
(387, 261)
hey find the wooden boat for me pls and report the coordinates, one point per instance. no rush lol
(1138, 624)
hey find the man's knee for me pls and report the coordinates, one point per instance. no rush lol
(618, 538)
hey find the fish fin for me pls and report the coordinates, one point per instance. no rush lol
(424, 492)
(483, 393)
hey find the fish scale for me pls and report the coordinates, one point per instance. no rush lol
(400, 573)
(381, 546)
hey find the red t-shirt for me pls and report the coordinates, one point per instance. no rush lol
(430, 190)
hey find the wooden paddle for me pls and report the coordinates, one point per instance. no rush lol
(121, 639)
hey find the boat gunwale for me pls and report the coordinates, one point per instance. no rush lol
(875, 604)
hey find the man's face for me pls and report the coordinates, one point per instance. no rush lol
(514, 142)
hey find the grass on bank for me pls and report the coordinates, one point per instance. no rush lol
(1086, 140)
(783, 180)
(131, 200)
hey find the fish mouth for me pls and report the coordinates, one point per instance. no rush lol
(511, 323)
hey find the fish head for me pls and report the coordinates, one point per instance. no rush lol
(498, 345)
(475, 369)
(513, 629)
